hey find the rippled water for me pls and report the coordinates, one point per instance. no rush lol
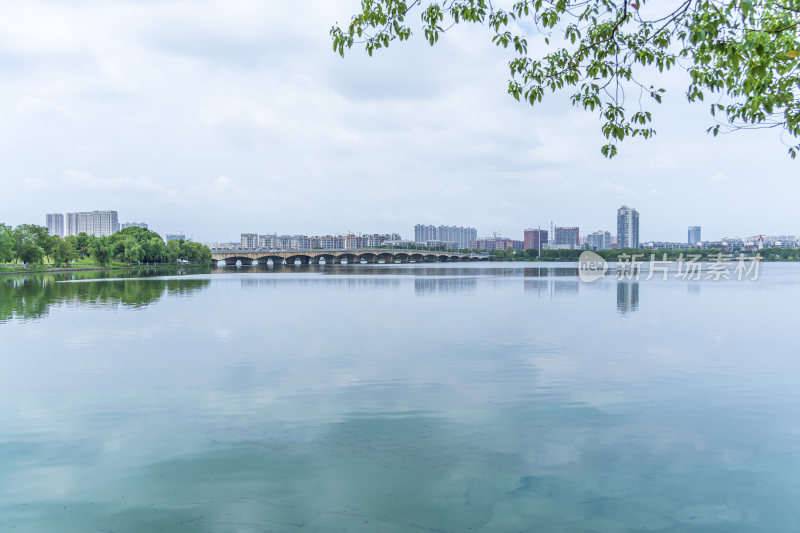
(446, 398)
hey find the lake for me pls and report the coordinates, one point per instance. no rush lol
(495, 397)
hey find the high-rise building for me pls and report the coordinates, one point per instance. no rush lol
(72, 223)
(569, 237)
(133, 225)
(627, 227)
(458, 234)
(97, 223)
(534, 239)
(599, 240)
(694, 235)
(175, 237)
(249, 241)
(55, 224)
(423, 233)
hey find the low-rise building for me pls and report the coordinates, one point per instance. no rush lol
(567, 236)
(133, 225)
(534, 239)
(599, 240)
(664, 245)
(249, 241)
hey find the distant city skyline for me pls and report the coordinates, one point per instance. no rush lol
(514, 233)
(72, 223)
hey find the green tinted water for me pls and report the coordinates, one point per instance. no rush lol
(486, 397)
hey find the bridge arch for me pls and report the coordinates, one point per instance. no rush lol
(330, 259)
(276, 260)
(302, 258)
(230, 257)
(231, 261)
(370, 257)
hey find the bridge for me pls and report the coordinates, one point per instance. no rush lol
(331, 257)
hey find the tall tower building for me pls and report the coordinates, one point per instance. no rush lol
(627, 227)
(694, 235)
(55, 224)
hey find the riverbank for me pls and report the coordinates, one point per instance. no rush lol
(9, 271)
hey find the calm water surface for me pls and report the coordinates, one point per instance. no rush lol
(444, 398)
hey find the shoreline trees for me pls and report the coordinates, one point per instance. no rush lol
(31, 244)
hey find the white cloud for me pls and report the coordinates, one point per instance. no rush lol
(80, 179)
(31, 107)
(221, 187)
(186, 103)
(620, 190)
(34, 183)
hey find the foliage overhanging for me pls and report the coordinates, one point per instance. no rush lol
(741, 55)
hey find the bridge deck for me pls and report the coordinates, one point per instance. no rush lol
(371, 255)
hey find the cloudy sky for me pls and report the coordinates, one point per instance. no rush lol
(219, 117)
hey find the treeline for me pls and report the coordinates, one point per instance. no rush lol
(31, 244)
(768, 254)
(780, 254)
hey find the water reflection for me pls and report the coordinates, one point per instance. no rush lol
(627, 297)
(547, 272)
(302, 402)
(552, 287)
(32, 296)
(342, 283)
(445, 285)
